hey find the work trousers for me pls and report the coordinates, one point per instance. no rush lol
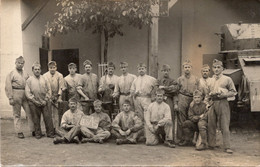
(219, 112)
(141, 105)
(19, 102)
(133, 136)
(109, 109)
(183, 104)
(55, 115)
(153, 138)
(95, 134)
(36, 115)
(190, 127)
(69, 134)
(170, 102)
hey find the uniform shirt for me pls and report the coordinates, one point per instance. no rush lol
(196, 110)
(144, 85)
(15, 80)
(89, 85)
(107, 80)
(187, 85)
(125, 121)
(56, 82)
(124, 83)
(204, 87)
(158, 113)
(38, 88)
(71, 83)
(71, 118)
(104, 120)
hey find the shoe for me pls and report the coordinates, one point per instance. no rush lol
(50, 136)
(183, 143)
(229, 151)
(57, 140)
(76, 140)
(169, 144)
(132, 141)
(38, 136)
(101, 141)
(85, 140)
(33, 133)
(20, 135)
(201, 147)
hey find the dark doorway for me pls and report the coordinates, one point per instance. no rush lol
(65, 56)
(44, 60)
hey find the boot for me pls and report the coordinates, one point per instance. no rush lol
(58, 140)
(85, 140)
(202, 146)
(76, 140)
(20, 135)
(121, 141)
(169, 144)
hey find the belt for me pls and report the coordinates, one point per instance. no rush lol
(218, 99)
(125, 94)
(186, 94)
(154, 123)
(19, 88)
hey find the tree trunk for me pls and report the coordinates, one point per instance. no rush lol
(106, 45)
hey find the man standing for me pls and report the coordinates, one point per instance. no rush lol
(170, 87)
(188, 83)
(15, 91)
(87, 88)
(38, 92)
(71, 81)
(222, 88)
(123, 85)
(158, 122)
(56, 82)
(127, 127)
(142, 90)
(205, 81)
(102, 132)
(106, 88)
(70, 124)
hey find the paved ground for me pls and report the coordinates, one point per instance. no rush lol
(30, 151)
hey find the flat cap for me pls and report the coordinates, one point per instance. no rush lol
(111, 64)
(97, 103)
(217, 62)
(123, 64)
(87, 62)
(72, 65)
(52, 63)
(166, 67)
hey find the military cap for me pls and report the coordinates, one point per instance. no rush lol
(205, 66)
(123, 64)
(166, 67)
(73, 99)
(87, 62)
(187, 62)
(52, 63)
(159, 91)
(197, 93)
(20, 58)
(141, 65)
(72, 65)
(217, 62)
(97, 103)
(36, 64)
(127, 102)
(111, 64)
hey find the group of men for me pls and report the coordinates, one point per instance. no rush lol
(153, 109)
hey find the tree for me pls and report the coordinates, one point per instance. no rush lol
(100, 16)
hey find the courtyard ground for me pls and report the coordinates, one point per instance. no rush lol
(30, 151)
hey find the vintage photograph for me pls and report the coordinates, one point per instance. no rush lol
(130, 82)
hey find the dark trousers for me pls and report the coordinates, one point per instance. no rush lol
(69, 134)
(109, 109)
(190, 127)
(47, 117)
(87, 108)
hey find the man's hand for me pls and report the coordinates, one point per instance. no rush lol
(44, 103)
(128, 132)
(156, 127)
(11, 101)
(59, 99)
(37, 103)
(114, 95)
(69, 126)
(222, 96)
(122, 132)
(161, 87)
(86, 98)
(150, 127)
(176, 107)
(201, 116)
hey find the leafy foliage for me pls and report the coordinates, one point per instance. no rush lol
(100, 16)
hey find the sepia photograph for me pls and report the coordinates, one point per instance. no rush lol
(130, 83)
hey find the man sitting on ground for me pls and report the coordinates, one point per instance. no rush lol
(197, 121)
(101, 133)
(70, 124)
(158, 122)
(127, 127)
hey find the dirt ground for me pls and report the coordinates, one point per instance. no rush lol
(30, 151)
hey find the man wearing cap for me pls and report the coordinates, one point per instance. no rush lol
(188, 83)
(102, 132)
(158, 122)
(223, 87)
(88, 88)
(197, 121)
(106, 88)
(127, 127)
(123, 85)
(15, 91)
(142, 90)
(170, 87)
(71, 81)
(70, 124)
(38, 92)
(56, 82)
